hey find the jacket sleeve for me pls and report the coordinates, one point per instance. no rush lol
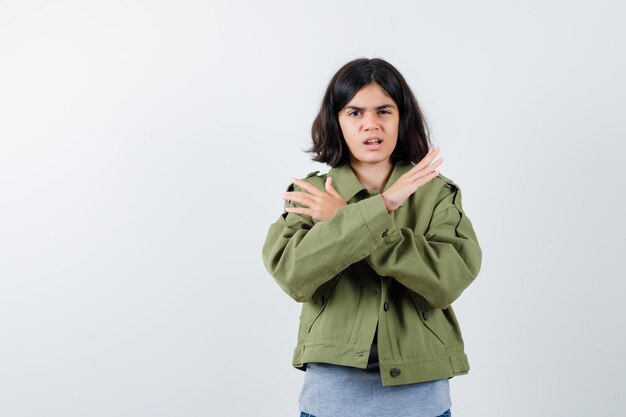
(439, 264)
(302, 254)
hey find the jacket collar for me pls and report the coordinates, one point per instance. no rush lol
(348, 185)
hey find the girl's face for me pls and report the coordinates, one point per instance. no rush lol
(373, 115)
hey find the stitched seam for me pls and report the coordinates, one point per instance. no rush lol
(361, 209)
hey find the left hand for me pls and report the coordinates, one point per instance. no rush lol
(321, 204)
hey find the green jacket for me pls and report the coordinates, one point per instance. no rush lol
(365, 266)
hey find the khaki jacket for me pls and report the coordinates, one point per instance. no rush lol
(367, 270)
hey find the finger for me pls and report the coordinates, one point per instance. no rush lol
(299, 210)
(426, 170)
(427, 178)
(426, 160)
(307, 186)
(299, 197)
(434, 165)
(330, 189)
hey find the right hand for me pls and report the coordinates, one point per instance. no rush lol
(408, 183)
(318, 204)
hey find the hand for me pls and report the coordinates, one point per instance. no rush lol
(321, 205)
(408, 183)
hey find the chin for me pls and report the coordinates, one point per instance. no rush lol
(374, 159)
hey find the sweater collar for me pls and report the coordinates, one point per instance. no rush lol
(348, 185)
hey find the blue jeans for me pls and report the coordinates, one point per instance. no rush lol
(446, 413)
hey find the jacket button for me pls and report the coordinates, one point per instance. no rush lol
(386, 306)
(425, 315)
(394, 372)
(384, 233)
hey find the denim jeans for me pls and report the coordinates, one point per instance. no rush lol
(446, 413)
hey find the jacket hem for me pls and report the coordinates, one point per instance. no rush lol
(408, 371)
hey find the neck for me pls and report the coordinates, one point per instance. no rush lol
(373, 176)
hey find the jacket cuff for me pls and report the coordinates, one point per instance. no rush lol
(378, 221)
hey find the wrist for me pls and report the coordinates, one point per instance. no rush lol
(389, 205)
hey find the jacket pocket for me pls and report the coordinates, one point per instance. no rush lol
(320, 298)
(433, 319)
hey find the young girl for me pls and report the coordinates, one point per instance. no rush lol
(376, 250)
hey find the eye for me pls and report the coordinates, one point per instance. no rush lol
(352, 112)
(385, 111)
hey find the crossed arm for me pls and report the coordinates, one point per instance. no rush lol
(322, 204)
(301, 255)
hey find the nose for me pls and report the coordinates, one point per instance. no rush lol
(370, 121)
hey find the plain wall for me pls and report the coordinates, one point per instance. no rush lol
(144, 148)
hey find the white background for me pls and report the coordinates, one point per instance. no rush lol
(144, 147)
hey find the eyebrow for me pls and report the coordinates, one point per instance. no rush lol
(382, 106)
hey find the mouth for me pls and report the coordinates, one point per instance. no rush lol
(373, 143)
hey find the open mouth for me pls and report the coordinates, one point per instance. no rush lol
(373, 143)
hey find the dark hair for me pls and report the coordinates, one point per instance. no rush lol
(329, 145)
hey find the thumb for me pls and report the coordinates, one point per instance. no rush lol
(330, 189)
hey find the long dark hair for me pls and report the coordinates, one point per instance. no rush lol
(329, 145)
